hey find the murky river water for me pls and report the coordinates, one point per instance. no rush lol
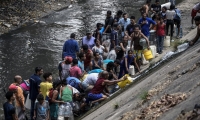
(40, 44)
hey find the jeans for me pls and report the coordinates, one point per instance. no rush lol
(171, 24)
(32, 108)
(160, 40)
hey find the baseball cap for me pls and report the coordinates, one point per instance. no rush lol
(68, 59)
(12, 87)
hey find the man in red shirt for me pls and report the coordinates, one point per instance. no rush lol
(89, 55)
(98, 92)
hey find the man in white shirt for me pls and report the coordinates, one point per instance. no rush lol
(170, 14)
(89, 82)
(195, 9)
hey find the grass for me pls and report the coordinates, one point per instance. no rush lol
(144, 96)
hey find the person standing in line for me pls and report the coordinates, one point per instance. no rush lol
(88, 40)
(170, 14)
(146, 24)
(155, 8)
(64, 67)
(130, 28)
(75, 71)
(108, 22)
(35, 87)
(89, 55)
(197, 22)
(195, 9)
(54, 102)
(20, 107)
(71, 47)
(160, 35)
(9, 108)
(97, 34)
(114, 36)
(47, 84)
(41, 109)
(145, 8)
(177, 22)
(124, 22)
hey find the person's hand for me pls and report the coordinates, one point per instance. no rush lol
(148, 48)
(127, 69)
(191, 43)
(125, 77)
(107, 94)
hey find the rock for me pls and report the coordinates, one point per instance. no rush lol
(36, 21)
(15, 23)
(6, 25)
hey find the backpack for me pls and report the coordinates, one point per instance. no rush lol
(50, 95)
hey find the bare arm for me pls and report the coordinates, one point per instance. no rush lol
(55, 95)
(126, 65)
(131, 40)
(108, 26)
(147, 41)
(108, 82)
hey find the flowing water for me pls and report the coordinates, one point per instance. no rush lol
(40, 44)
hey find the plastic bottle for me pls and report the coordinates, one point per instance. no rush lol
(61, 109)
(183, 47)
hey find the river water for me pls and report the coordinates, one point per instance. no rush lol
(40, 44)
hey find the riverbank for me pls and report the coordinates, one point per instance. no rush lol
(169, 78)
(15, 14)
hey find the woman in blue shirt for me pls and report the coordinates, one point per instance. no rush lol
(125, 64)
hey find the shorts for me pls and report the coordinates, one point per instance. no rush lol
(194, 13)
(93, 97)
(177, 22)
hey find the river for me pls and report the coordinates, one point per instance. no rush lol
(40, 44)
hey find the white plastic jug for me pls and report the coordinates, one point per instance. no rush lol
(28, 103)
(153, 49)
(167, 41)
(131, 70)
(144, 61)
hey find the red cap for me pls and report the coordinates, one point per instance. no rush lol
(12, 87)
(68, 59)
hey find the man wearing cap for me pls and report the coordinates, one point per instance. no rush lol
(14, 87)
(88, 39)
(35, 87)
(64, 67)
(71, 47)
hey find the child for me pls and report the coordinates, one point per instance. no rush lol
(96, 63)
(41, 109)
(8, 107)
(160, 35)
(47, 84)
(75, 71)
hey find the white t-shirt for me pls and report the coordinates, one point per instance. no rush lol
(91, 79)
(170, 14)
(197, 6)
(98, 49)
(112, 55)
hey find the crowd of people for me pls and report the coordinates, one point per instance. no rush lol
(84, 77)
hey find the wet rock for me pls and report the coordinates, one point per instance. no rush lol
(6, 25)
(15, 23)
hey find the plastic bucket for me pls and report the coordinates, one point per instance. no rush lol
(147, 54)
(123, 83)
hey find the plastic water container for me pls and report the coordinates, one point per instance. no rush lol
(152, 37)
(153, 50)
(131, 70)
(166, 5)
(147, 54)
(144, 61)
(182, 47)
(61, 110)
(28, 103)
(167, 41)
